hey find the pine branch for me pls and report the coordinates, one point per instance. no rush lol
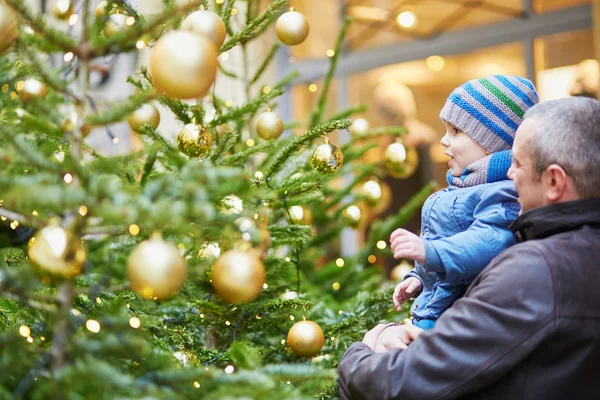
(254, 28)
(118, 111)
(317, 115)
(238, 113)
(305, 139)
(34, 222)
(265, 64)
(243, 156)
(38, 24)
(350, 112)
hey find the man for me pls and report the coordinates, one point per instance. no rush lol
(529, 325)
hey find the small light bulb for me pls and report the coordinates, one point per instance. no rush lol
(140, 44)
(229, 369)
(266, 90)
(312, 87)
(339, 262)
(83, 210)
(381, 244)
(336, 286)
(24, 331)
(68, 56)
(330, 53)
(250, 142)
(197, 384)
(68, 178)
(92, 325)
(73, 19)
(135, 322)
(372, 259)
(134, 229)
(265, 286)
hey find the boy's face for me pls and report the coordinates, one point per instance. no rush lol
(461, 149)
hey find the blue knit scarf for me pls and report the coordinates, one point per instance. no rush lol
(492, 168)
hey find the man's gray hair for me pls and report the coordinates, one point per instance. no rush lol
(568, 134)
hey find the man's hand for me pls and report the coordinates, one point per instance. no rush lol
(396, 337)
(406, 244)
(371, 337)
(405, 290)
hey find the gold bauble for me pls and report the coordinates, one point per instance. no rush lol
(359, 127)
(101, 9)
(63, 9)
(352, 216)
(114, 24)
(156, 268)
(70, 124)
(292, 28)
(372, 191)
(238, 276)
(194, 140)
(32, 89)
(269, 125)
(306, 338)
(210, 250)
(301, 215)
(146, 114)
(399, 271)
(57, 251)
(9, 27)
(401, 161)
(207, 23)
(231, 205)
(183, 64)
(327, 158)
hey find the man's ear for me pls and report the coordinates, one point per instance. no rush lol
(556, 183)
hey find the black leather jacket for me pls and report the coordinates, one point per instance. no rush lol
(527, 328)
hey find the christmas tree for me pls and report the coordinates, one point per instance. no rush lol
(205, 267)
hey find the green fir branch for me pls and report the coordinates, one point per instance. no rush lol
(250, 108)
(350, 112)
(243, 156)
(118, 111)
(282, 235)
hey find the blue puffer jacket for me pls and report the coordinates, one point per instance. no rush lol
(463, 230)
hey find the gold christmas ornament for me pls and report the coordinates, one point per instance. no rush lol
(70, 123)
(301, 215)
(372, 192)
(57, 251)
(327, 158)
(32, 89)
(269, 125)
(114, 24)
(401, 161)
(207, 23)
(306, 338)
(399, 271)
(101, 11)
(183, 64)
(9, 27)
(156, 268)
(238, 276)
(359, 127)
(231, 205)
(210, 250)
(352, 216)
(194, 140)
(146, 114)
(292, 28)
(63, 9)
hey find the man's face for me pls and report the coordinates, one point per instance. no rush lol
(529, 185)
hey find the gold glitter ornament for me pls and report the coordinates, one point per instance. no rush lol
(399, 271)
(206, 23)
(301, 215)
(238, 276)
(146, 114)
(353, 216)
(292, 28)
(156, 268)
(269, 125)
(114, 24)
(306, 338)
(56, 251)
(194, 140)
(183, 64)
(327, 158)
(63, 9)
(359, 127)
(401, 161)
(9, 27)
(32, 89)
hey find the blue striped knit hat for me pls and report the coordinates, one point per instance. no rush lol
(490, 109)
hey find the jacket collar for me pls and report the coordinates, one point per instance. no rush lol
(546, 221)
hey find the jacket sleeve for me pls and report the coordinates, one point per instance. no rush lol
(461, 257)
(505, 314)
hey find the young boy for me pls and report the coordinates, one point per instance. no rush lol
(465, 226)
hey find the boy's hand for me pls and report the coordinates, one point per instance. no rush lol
(405, 290)
(405, 244)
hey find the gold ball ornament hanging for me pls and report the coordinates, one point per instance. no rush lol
(372, 191)
(269, 125)
(352, 216)
(146, 114)
(206, 23)
(292, 28)
(194, 140)
(327, 158)
(183, 64)
(238, 276)
(63, 9)
(301, 215)
(57, 252)
(401, 161)
(231, 205)
(114, 24)
(156, 268)
(9, 27)
(399, 271)
(32, 89)
(306, 338)
(359, 127)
